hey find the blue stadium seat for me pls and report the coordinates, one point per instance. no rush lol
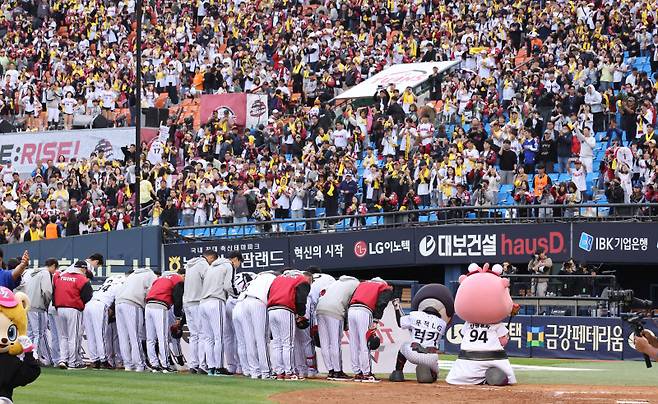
(374, 220)
(219, 231)
(320, 212)
(343, 225)
(506, 188)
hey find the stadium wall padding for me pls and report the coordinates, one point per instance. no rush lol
(122, 250)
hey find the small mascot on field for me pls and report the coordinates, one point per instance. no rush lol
(15, 372)
(483, 301)
(432, 309)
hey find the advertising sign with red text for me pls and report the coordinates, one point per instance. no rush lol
(23, 151)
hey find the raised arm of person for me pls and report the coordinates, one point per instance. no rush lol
(20, 268)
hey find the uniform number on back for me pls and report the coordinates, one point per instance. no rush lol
(476, 335)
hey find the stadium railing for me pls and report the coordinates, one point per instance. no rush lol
(501, 214)
(565, 294)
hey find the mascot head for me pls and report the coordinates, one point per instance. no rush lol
(436, 299)
(13, 320)
(483, 296)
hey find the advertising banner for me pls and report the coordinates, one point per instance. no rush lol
(257, 111)
(557, 337)
(235, 104)
(259, 255)
(378, 248)
(401, 75)
(577, 337)
(615, 242)
(499, 243)
(22, 151)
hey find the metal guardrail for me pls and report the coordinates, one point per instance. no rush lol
(315, 221)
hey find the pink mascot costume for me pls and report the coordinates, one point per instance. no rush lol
(483, 302)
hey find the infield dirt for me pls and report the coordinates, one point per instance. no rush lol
(411, 392)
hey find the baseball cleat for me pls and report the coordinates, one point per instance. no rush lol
(294, 378)
(341, 377)
(223, 372)
(370, 378)
(106, 365)
(201, 372)
(76, 367)
(169, 370)
(358, 377)
(281, 376)
(61, 365)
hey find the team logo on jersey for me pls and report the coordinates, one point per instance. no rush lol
(535, 337)
(427, 246)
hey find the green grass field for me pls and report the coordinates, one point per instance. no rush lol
(58, 386)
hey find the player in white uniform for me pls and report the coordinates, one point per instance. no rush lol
(95, 318)
(235, 285)
(241, 282)
(195, 271)
(481, 349)
(255, 327)
(305, 358)
(330, 313)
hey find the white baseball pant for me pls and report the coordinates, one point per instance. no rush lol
(70, 329)
(257, 334)
(129, 318)
(174, 343)
(212, 322)
(228, 338)
(359, 319)
(197, 353)
(54, 337)
(156, 317)
(112, 348)
(466, 371)
(239, 317)
(282, 327)
(95, 321)
(304, 352)
(417, 358)
(37, 325)
(330, 330)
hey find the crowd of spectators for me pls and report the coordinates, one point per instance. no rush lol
(538, 84)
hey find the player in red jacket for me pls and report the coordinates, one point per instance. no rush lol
(165, 292)
(71, 291)
(286, 308)
(366, 308)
